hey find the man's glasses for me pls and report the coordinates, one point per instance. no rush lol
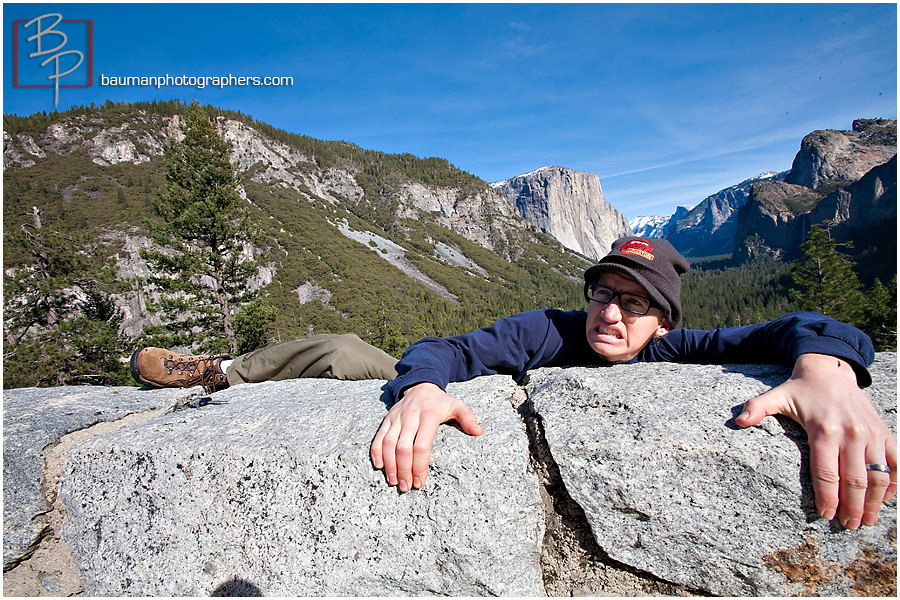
(637, 305)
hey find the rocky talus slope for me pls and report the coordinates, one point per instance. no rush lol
(628, 480)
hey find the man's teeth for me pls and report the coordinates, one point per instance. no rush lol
(607, 331)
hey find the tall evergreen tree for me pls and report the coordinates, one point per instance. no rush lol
(205, 264)
(826, 279)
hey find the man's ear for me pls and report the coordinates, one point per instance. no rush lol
(663, 328)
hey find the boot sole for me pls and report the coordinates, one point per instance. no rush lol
(134, 367)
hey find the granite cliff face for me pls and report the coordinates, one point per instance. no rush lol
(843, 176)
(568, 205)
(710, 227)
(628, 480)
(482, 217)
(829, 156)
(776, 219)
(846, 177)
(865, 203)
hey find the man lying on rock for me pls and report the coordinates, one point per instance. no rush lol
(634, 309)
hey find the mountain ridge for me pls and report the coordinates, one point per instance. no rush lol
(770, 214)
(844, 178)
(656, 226)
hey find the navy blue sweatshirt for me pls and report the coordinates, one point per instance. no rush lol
(553, 338)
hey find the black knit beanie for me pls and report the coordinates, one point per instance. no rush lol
(655, 264)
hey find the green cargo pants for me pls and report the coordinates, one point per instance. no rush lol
(326, 355)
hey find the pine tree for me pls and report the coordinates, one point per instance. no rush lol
(39, 296)
(60, 327)
(252, 325)
(207, 238)
(881, 315)
(826, 278)
(93, 340)
(389, 336)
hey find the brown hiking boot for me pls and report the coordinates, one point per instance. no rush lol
(158, 367)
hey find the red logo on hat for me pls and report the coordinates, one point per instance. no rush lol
(638, 247)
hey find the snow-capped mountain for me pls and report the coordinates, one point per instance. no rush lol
(657, 226)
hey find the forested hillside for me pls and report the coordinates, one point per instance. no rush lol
(715, 294)
(95, 216)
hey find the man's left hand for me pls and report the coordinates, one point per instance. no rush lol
(845, 434)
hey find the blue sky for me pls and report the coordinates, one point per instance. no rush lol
(666, 103)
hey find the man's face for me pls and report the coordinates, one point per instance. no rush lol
(618, 335)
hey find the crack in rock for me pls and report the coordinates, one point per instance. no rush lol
(572, 563)
(48, 569)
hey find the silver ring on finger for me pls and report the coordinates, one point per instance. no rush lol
(882, 468)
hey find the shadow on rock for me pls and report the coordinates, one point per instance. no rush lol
(237, 588)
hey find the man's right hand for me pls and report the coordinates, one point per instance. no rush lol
(402, 446)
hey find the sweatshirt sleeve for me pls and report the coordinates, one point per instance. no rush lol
(511, 346)
(780, 341)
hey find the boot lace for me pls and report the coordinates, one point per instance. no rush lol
(202, 370)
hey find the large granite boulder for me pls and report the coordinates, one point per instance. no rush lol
(626, 480)
(670, 485)
(274, 491)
